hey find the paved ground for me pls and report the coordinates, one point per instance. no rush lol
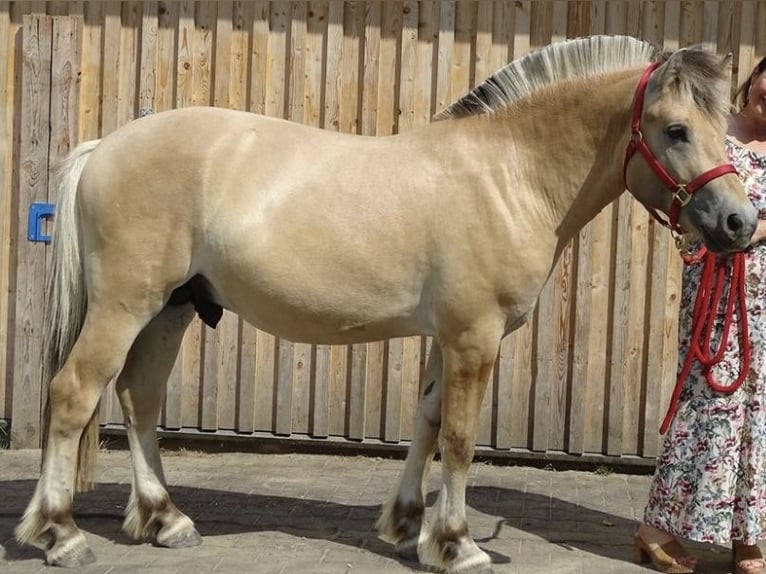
(289, 513)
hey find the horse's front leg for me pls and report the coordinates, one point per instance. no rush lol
(402, 517)
(141, 389)
(468, 362)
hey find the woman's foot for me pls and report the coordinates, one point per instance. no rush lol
(663, 551)
(748, 559)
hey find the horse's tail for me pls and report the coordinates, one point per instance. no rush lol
(67, 301)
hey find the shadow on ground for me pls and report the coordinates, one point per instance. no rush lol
(216, 512)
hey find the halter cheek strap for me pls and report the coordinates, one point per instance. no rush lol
(682, 192)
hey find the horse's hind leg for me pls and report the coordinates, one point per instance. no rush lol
(141, 389)
(107, 334)
(402, 517)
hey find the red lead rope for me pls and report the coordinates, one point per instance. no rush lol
(706, 305)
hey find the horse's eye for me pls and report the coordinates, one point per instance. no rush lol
(677, 132)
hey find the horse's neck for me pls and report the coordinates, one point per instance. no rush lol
(568, 145)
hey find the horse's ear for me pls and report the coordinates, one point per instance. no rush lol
(726, 64)
(670, 72)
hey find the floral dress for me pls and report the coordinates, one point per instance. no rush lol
(710, 481)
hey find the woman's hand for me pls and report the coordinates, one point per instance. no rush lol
(760, 232)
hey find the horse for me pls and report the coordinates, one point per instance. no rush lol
(449, 231)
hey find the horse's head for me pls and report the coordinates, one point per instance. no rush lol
(679, 126)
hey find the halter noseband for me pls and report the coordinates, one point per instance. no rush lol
(682, 192)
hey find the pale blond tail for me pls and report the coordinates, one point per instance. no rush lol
(67, 301)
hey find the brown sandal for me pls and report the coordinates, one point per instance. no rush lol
(742, 553)
(663, 558)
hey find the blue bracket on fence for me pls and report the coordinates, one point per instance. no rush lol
(38, 213)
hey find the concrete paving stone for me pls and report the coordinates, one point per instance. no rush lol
(284, 514)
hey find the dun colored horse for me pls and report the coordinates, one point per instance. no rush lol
(449, 231)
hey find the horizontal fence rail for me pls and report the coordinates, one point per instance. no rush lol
(592, 370)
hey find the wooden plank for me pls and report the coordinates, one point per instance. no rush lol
(656, 340)
(167, 36)
(184, 74)
(202, 73)
(598, 341)
(690, 23)
(7, 214)
(266, 350)
(618, 368)
(446, 42)
(635, 381)
(347, 391)
(247, 392)
(91, 66)
(284, 391)
(221, 67)
(760, 31)
(393, 392)
(672, 25)
(580, 341)
(427, 54)
(578, 19)
(559, 16)
(147, 82)
(227, 371)
(541, 24)
(357, 393)
(710, 27)
(371, 62)
(209, 380)
(408, 69)
(462, 68)
(320, 409)
(30, 257)
(276, 76)
(259, 57)
(128, 63)
(653, 25)
(351, 68)
(332, 73)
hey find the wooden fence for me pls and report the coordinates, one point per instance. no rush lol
(589, 374)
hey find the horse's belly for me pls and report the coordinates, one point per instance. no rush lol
(338, 314)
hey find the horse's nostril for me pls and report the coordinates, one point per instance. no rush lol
(734, 223)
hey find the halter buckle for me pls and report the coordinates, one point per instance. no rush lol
(636, 136)
(681, 195)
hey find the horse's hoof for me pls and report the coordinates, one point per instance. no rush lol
(183, 539)
(479, 570)
(409, 553)
(74, 557)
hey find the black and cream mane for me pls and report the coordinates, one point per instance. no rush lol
(587, 57)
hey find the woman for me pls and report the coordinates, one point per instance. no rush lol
(710, 482)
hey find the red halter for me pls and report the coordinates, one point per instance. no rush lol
(682, 192)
